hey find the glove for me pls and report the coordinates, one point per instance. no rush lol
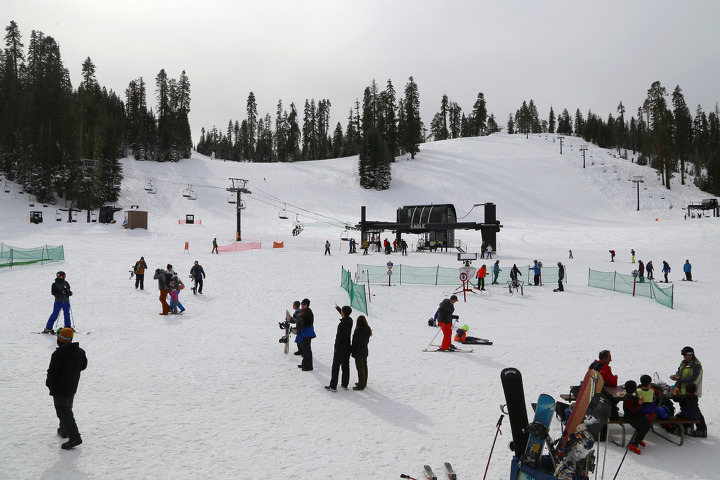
(455, 317)
(68, 293)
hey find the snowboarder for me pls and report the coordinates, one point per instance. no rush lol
(649, 268)
(139, 271)
(561, 276)
(445, 318)
(612, 255)
(666, 270)
(305, 334)
(570, 257)
(163, 276)
(215, 247)
(687, 268)
(403, 246)
(197, 273)
(641, 271)
(632, 252)
(359, 349)
(341, 352)
(327, 248)
(496, 272)
(63, 376)
(60, 289)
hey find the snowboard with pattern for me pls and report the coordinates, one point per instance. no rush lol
(592, 384)
(538, 431)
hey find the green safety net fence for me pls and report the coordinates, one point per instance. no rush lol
(358, 300)
(11, 256)
(404, 274)
(626, 283)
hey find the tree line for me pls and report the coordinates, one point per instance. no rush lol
(56, 140)
(664, 134)
(59, 141)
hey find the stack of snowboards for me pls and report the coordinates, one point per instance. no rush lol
(592, 384)
(538, 431)
(580, 443)
(517, 412)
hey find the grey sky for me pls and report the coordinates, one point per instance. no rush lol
(571, 54)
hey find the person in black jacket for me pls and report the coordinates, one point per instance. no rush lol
(359, 350)
(163, 277)
(61, 291)
(341, 355)
(306, 329)
(63, 375)
(197, 273)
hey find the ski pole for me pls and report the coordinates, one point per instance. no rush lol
(493, 445)
(72, 319)
(402, 475)
(433, 339)
(621, 461)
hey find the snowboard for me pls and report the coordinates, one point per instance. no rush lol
(592, 384)
(538, 431)
(581, 442)
(511, 379)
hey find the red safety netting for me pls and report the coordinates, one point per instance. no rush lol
(240, 247)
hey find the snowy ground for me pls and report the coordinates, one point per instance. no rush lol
(209, 394)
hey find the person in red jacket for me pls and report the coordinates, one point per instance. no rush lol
(602, 365)
(481, 274)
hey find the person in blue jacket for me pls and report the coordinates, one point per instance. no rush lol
(666, 270)
(687, 268)
(536, 270)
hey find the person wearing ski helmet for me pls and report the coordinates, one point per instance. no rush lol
(561, 277)
(60, 289)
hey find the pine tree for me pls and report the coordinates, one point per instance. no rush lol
(682, 129)
(412, 128)
(660, 128)
(551, 121)
(252, 114)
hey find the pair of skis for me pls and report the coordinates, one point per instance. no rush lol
(448, 471)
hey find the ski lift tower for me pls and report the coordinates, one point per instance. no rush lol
(238, 187)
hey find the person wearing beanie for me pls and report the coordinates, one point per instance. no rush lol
(139, 270)
(60, 289)
(197, 273)
(63, 376)
(445, 318)
(631, 408)
(306, 332)
(689, 371)
(163, 277)
(342, 349)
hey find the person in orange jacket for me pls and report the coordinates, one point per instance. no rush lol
(481, 274)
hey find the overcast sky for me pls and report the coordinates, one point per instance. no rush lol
(568, 54)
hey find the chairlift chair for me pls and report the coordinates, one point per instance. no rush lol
(192, 195)
(93, 217)
(344, 236)
(186, 192)
(7, 188)
(231, 198)
(283, 212)
(150, 188)
(58, 215)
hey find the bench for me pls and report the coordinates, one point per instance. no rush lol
(658, 421)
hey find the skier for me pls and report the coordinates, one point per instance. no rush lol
(666, 270)
(496, 272)
(403, 246)
(461, 335)
(481, 274)
(175, 285)
(632, 252)
(570, 257)
(215, 247)
(514, 272)
(60, 289)
(687, 268)
(139, 271)
(327, 248)
(445, 318)
(536, 270)
(561, 275)
(341, 353)
(649, 267)
(197, 273)
(612, 255)
(359, 348)
(483, 249)
(63, 375)
(489, 252)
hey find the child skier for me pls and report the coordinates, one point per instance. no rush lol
(175, 286)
